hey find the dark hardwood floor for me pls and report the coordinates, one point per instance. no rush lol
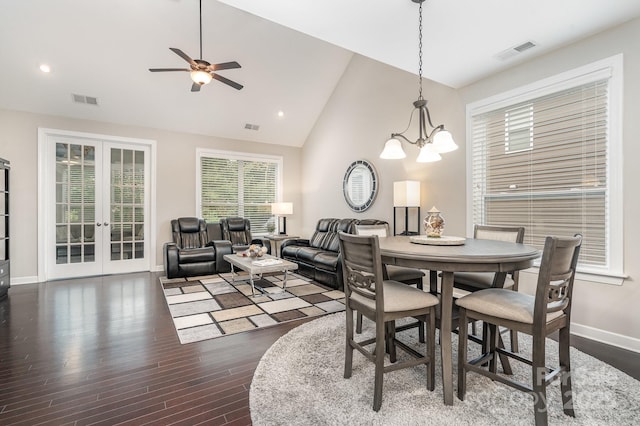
(104, 351)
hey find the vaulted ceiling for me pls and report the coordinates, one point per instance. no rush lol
(292, 54)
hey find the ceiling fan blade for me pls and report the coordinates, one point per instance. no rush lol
(224, 66)
(168, 69)
(183, 56)
(195, 87)
(227, 81)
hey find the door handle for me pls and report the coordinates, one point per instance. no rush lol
(106, 224)
(98, 224)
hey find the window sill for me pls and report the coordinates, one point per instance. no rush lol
(594, 277)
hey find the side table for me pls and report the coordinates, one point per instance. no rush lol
(277, 240)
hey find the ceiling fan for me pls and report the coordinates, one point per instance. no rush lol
(202, 71)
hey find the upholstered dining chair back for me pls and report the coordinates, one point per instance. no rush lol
(512, 234)
(363, 269)
(555, 280)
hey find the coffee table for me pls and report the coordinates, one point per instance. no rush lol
(256, 266)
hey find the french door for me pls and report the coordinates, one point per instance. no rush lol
(97, 207)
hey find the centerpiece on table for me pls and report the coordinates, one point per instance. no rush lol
(434, 223)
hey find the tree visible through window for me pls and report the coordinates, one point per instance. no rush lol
(237, 186)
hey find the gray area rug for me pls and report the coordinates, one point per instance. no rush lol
(299, 381)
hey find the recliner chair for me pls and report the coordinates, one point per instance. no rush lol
(238, 231)
(193, 251)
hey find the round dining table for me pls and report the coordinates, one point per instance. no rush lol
(473, 255)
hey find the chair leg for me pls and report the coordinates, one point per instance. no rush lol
(348, 353)
(494, 335)
(359, 323)
(379, 369)
(431, 349)
(462, 353)
(539, 373)
(514, 341)
(565, 380)
(390, 340)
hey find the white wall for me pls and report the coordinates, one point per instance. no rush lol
(371, 101)
(176, 177)
(606, 312)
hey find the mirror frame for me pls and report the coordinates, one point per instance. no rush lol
(374, 185)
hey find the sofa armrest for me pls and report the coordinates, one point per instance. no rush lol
(222, 247)
(295, 242)
(171, 260)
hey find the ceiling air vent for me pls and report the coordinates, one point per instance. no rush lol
(249, 126)
(82, 99)
(515, 50)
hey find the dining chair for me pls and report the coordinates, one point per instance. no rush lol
(409, 276)
(383, 302)
(474, 281)
(539, 316)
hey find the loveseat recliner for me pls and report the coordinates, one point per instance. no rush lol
(197, 249)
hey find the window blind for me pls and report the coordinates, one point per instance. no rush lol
(543, 164)
(233, 187)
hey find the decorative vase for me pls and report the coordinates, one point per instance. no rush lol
(434, 223)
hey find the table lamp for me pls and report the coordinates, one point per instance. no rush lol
(281, 210)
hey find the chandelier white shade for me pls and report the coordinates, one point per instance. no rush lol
(393, 150)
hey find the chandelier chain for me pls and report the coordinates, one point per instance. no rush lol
(420, 52)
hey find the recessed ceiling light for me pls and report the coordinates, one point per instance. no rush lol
(280, 114)
(45, 68)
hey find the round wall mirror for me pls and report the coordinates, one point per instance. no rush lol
(360, 185)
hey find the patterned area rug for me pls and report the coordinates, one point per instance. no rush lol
(214, 306)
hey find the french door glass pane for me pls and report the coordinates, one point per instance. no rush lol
(127, 204)
(75, 203)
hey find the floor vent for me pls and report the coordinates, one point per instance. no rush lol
(82, 99)
(249, 126)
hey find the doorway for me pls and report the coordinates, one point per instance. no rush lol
(96, 196)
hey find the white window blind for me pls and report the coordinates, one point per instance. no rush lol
(542, 163)
(238, 186)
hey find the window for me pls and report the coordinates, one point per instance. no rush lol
(547, 156)
(238, 185)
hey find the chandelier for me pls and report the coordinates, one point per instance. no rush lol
(431, 143)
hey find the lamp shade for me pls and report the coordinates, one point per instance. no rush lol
(392, 150)
(201, 77)
(443, 142)
(428, 154)
(406, 193)
(281, 208)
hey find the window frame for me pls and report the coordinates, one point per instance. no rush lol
(239, 156)
(611, 68)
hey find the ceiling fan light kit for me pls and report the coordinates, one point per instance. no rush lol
(431, 144)
(201, 71)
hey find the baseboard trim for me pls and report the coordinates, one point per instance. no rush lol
(24, 280)
(606, 337)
